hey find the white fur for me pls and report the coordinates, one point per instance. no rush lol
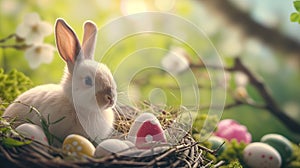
(72, 98)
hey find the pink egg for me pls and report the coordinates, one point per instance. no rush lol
(224, 124)
(149, 134)
(230, 129)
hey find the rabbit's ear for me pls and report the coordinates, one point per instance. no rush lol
(67, 43)
(89, 39)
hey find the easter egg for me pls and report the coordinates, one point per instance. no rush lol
(224, 124)
(33, 132)
(137, 124)
(146, 132)
(129, 143)
(78, 145)
(230, 129)
(261, 155)
(216, 143)
(280, 143)
(109, 146)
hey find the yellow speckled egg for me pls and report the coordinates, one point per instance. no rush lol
(78, 145)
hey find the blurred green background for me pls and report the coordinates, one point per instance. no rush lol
(279, 71)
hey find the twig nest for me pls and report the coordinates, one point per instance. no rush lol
(258, 154)
(78, 145)
(33, 132)
(280, 143)
(146, 132)
(109, 146)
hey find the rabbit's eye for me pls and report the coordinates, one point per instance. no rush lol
(88, 81)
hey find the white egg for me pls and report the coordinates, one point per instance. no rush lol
(78, 145)
(261, 155)
(33, 132)
(109, 146)
(129, 143)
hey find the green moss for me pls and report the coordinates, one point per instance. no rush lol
(9, 137)
(295, 159)
(12, 84)
(233, 164)
(233, 152)
(201, 130)
(232, 155)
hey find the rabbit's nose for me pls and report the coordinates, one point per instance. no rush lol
(109, 99)
(105, 99)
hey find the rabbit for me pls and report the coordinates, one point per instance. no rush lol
(85, 97)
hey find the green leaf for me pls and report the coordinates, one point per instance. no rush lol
(297, 5)
(28, 120)
(295, 17)
(58, 120)
(10, 142)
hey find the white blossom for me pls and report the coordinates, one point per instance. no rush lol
(175, 61)
(241, 79)
(39, 53)
(240, 93)
(33, 30)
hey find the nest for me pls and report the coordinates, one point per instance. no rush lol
(185, 153)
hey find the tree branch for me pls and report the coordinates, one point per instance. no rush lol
(7, 38)
(269, 36)
(270, 103)
(15, 46)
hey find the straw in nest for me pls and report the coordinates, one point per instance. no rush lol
(186, 153)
